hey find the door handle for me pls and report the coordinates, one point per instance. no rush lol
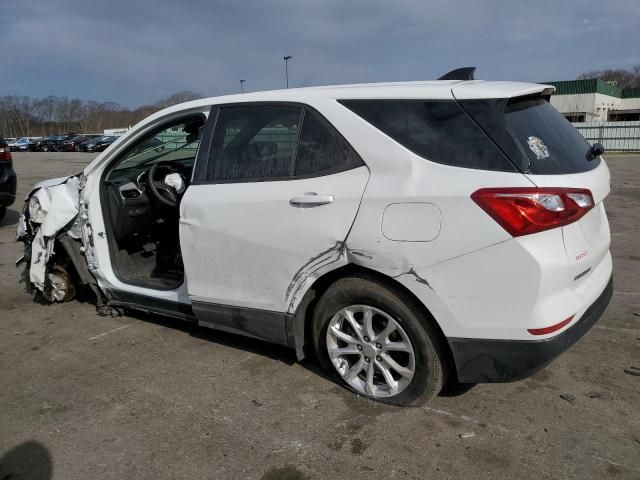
(310, 199)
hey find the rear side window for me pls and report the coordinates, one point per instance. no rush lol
(254, 142)
(439, 131)
(322, 150)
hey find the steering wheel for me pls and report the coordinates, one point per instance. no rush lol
(161, 191)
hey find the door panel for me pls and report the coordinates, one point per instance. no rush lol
(243, 244)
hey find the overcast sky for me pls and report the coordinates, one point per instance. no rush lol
(139, 51)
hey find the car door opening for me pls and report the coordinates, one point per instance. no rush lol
(141, 193)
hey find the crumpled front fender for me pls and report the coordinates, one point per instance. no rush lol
(52, 206)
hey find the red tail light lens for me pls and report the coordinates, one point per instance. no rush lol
(5, 154)
(550, 329)
(522, 211)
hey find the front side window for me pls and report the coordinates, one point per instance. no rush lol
(177, 142)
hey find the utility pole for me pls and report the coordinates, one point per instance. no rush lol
(241, 86)
(286, 67)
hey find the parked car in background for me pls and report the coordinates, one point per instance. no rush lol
(38, 144)
(406, 232)
(54, 143)
(21, 145)
(104, 143)
(72, 144)
(48, 143)
(89, 144)
(8, 180)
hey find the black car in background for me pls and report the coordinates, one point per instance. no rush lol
(38, 145)
(8, 180)
(53, 143)
(97, 144)
(102, 145)
(72, 144)
(89, 144)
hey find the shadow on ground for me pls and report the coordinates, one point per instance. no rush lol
(11, 218)
(28, 461)
(452, 387)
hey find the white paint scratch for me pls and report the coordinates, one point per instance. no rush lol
(112, 331)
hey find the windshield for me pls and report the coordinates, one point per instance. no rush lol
(168, 145)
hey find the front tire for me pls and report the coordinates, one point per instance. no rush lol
(375, 341)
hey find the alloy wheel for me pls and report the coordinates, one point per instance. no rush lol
(370, 351)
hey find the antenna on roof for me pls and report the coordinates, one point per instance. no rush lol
(464, 73)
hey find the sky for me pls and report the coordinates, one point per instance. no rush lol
(137, 52)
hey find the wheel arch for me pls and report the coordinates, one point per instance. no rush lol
(300, 329)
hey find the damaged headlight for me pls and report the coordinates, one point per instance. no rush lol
(36, 213)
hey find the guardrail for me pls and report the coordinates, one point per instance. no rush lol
(615, 136)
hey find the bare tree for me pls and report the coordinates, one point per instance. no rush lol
(27, 116)
(619, 77)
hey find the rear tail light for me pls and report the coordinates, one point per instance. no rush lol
(5, 154)
(522, 211)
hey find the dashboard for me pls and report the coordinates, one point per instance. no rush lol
(132, 206)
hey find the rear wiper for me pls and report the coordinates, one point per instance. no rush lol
(595, 151)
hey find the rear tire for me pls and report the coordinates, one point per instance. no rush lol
(3, 211)
(407, 364)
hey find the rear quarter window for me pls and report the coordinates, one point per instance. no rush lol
(439, 131)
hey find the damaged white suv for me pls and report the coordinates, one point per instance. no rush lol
(407, 233)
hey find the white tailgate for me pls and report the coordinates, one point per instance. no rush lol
(587, 240)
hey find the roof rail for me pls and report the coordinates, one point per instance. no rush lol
(464, 73)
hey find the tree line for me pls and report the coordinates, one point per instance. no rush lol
(619, 77)
(23, 116)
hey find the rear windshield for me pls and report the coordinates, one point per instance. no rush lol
(533, 134)
(439, 131)
(551, 144)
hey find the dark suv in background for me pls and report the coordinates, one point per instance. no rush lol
(8, 179)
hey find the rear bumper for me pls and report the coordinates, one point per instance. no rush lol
(489, 361)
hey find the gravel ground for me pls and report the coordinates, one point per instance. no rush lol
(87, 397)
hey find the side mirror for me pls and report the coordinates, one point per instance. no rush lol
(595, 151)
(175, 181)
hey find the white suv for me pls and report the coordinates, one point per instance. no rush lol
(406, 233)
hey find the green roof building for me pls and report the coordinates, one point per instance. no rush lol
(595, 100)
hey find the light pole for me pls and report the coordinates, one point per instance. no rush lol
(241, 86)
(286, 68)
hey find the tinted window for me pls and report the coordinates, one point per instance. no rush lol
(549, 142)
(254, 143)
(322, 149)
(439, 131)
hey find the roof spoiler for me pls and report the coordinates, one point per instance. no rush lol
(464, 73)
